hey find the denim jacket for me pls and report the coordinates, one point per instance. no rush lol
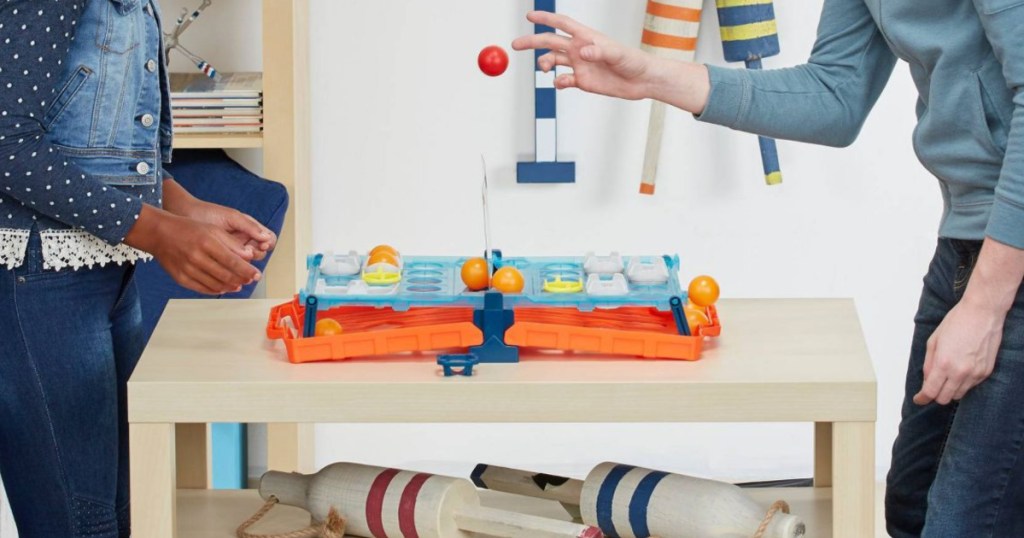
(85, 126)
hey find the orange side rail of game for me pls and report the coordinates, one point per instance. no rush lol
(370, 331)
(637, 332)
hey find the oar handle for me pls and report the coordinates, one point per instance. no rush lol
(652, 152)
(769, 153)
(539, 485)
(504, 524)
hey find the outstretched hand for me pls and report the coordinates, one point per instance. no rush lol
(604, 66)
(600, 64)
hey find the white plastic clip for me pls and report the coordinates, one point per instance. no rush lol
(603, 265)
(616, 285)
(652, 270)
(341, 265)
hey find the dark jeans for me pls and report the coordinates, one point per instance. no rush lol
(68, 342)
(957, 470)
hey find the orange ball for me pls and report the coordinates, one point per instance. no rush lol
(696, 318)
(384, 248)
(382, 257)
(508, 279)
(703, 291)
(328, 327)
(476, 274)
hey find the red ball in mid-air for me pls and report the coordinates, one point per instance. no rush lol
(493, 60)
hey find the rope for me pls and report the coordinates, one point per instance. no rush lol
(334, 527)
(776, 507)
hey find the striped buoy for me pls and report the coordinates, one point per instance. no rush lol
(632, 502)
(749, 34)
(389, 503)
(207, 69)
(670, 31)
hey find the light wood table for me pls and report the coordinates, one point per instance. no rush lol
(777, 361)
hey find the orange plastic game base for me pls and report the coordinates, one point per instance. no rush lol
(371, 332)
(638, 332)
(368, 331)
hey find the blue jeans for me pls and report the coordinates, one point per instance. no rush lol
(957, 470)
(68, 342)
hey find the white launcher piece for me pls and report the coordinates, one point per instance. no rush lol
(670, 31)
(388, 503)
(631, 502)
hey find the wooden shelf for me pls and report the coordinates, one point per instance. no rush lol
(197, 141)
(217, 513)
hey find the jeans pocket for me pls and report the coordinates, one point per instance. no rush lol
(34, 267)
(964, 270)
(128, 290)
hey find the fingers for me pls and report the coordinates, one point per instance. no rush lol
(261, 252)
(552, 59)
(252, 229)
(558, 21)
(929, 355)
(567, 80)
(934, 378)
(964, 388)
(265, 240)
(237, 267)
(546, 40)
(196, 286)
(930, 390)
(211, 282)
(214, 266)
(948, 391)
(610, 54)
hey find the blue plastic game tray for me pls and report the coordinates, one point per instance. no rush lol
(431, 281)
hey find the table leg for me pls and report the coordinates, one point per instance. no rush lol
(853, 487)
(290, 447)
(193, 456)
(153, 480)
(822, 454)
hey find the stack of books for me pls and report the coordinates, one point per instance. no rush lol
(231, 103)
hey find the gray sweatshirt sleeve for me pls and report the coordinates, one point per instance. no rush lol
(824, 101)
(1004, 25)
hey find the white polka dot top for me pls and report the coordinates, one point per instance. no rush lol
(84, 127)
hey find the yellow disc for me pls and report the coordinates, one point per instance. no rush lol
(382, 278)
(563, 286)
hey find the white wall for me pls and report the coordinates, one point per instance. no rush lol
(401, 115)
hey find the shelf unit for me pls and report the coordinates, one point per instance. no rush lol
(285, 147)
(285, 136)
(216, 514)
(226, 141)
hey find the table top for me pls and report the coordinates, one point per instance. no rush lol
(784, 360)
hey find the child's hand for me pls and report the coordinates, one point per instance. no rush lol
(258, 238)
(600, 64)
(198, 255)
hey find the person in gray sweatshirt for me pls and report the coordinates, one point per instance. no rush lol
(957, 467)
